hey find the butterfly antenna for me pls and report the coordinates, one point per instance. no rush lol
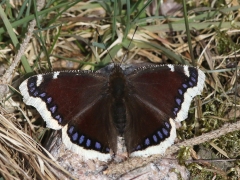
(129, 45)
(104, 45)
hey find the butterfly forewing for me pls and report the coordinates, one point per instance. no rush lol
(168, 87)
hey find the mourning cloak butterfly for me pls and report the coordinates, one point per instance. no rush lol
(140, 104)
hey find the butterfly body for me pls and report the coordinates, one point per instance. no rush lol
(93, 108)
(118, 90)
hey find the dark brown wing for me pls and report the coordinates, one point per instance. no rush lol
(78, 102)
(157, 96)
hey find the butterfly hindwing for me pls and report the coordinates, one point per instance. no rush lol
(148, 129)
(92, 130)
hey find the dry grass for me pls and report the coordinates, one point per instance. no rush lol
(63, 36)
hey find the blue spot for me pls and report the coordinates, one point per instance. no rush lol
(49, 100)
(70, 130)
(35, 93)
(97, 145)
(155, 138)
(75, 136)
(32, 89)
(107, 149)
(167, 125)
(42, 95)
(193, 79)
(31, 84)
(190, 83)
(53, 109)
(175, 109)
(88, 143)
(180, 91)
(160, 135)
(60, 120)
(147, 141)
(58, 117)
(165, 132)
(178, 101)
(138, 147)
(81, 139)
(184, 86)
(174, 113)
(194, 74)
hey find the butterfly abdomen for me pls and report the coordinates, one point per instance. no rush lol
(119, 116)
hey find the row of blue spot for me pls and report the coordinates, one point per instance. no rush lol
(43, 95)
(156, 138)
(82, 140)
(192, 82)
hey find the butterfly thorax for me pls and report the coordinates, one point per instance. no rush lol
(117, 89)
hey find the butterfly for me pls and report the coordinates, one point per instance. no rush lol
(140, 103)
